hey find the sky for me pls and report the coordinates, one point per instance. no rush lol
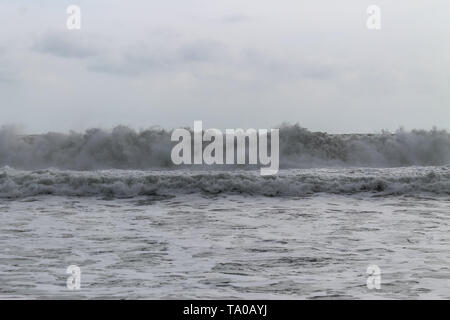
(231, 64)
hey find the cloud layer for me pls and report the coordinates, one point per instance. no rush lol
(235, 65)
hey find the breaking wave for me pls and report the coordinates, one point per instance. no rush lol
(125, 148)
(293, 182)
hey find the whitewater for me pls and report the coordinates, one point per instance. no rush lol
(111, 202)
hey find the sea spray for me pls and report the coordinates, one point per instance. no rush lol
(125, 148)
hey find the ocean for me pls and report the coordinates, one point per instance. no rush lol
(154, 234)
(136, 226)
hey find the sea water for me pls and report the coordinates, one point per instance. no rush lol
(308, 233)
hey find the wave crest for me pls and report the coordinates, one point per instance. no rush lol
(125, 148)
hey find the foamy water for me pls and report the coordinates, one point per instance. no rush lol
(301, 234)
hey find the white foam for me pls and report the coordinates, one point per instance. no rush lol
(293, 182)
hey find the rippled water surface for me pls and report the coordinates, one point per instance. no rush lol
(225, 246)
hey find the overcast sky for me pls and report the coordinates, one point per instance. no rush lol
(230, 63)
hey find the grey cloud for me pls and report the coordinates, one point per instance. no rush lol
(202, 51)
(5, 78)
(67, 45)
(319, 71)
(132, 62)
(298, 67)
(7, 74)
(284, 62)
(235, 18)
(141, 59)
(191, 56)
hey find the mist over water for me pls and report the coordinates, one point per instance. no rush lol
(126, 148)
